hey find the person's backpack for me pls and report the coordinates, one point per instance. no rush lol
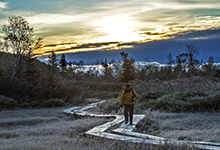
(132, 94)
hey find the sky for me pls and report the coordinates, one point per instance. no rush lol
(90, 27)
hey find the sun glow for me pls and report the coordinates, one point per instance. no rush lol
(119, 28)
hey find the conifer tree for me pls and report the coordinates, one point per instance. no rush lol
(63, 62)
(170, 59)
(52, 60)
(128, 68)
(108, 73)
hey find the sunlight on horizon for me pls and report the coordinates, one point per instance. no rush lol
(118, 28)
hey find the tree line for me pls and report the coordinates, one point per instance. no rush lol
(185, 64)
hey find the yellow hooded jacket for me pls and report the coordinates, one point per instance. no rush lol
(127, 97)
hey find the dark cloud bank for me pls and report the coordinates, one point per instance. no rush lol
(207, 42)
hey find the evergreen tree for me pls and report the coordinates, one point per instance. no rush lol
(208, 68)
(211, 60)
(97, 62)
(70, 64)
(31, 71)
(128, 68)
(80, 63)
(142, 74)
(105, 64)
(170, 59)
(52, 60)
(112, 61)
(147, 59)
(124, 55)
(101, 61)
(108, 73)
(63, 62)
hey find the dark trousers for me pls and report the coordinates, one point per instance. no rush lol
(130, 109)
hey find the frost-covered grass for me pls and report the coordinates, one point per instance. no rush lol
(41, 129)
(180, 95)
(196, 94)
(182, 126)
(50, 129)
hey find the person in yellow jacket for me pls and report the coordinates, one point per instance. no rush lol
(128, 97)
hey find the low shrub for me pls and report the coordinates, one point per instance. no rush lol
(183, 102)
(54, 103)
(7, 103)
(167, 105)
(106, 86)
(111, 106)
(79, 100)
(151, 95)
(209, 103)
(26, 105)
(103, 94)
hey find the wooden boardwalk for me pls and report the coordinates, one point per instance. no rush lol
(125, 131)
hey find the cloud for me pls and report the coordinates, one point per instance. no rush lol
(3, 5)
(172, 5)
(158, 50)
(46, 19)
(80, 47)
(116, 20)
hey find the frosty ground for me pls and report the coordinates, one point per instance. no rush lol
(51, 129)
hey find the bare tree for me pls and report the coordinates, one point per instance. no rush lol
(19, 37)
(192, 53)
